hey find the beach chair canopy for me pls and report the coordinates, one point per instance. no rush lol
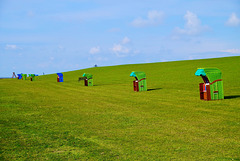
(88, 75)
(211, 73)
(60, 74)
(138, 75)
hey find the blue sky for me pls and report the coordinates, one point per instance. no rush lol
(61, 35)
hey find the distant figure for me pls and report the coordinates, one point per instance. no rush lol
(14, 75)
(43, 73)
(95, 65)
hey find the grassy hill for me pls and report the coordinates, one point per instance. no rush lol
(44, 119)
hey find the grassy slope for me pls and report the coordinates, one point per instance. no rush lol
(49, 120)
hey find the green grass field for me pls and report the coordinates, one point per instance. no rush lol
(46, 120)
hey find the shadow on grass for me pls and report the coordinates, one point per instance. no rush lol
(232, 97)
(153, 89)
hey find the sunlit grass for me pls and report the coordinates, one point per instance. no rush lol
(109, 121)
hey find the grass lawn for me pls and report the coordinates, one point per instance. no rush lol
(47, 120)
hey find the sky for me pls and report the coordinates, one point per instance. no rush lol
(50, 36)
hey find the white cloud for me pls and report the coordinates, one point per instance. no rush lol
(125, 40)
(233, 20)
(154, 18)
(119, 50)
(94, 50)
(192, 26)
(122, 49)
(232, 51)
(11, 47)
